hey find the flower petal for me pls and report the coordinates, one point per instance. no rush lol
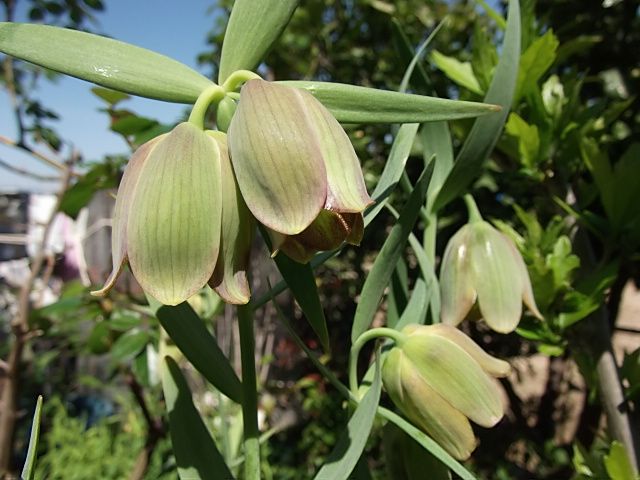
(527, 292)
(229, 278)
(456, 277)
(173, 231)
(276, 157)
(121, 210)
(347, 191)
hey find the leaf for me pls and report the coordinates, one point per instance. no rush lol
(387, 259)
(253, 27)
(129, 345)
(302, 283)
(197, 456)
(111, 97)
(103, 61)
(353, 104)
(527, 137)
(132, 124)
(28, 470)
(193, 339)
(460, 72)
(617, 463)
(351, 443)
(486, 131)
(535, 61)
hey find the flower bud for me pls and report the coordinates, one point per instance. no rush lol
(296, 169)
(440, 379)
(482, 264)
(168, 214)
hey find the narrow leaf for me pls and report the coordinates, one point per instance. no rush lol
(387, 259)
(197, 456)
(351, 443)
(486, 131)
(353, 104)
(103, 61)
(302, 283)
(193, 339)
(28, 470)
(253, 27)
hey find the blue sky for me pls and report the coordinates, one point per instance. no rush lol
(176, 29)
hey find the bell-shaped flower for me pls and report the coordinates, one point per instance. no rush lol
(297, 170)
(482, 264)
(168, 216)
(440, 379)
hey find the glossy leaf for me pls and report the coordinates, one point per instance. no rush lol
(254, 25)
(485, 131)
(197, 456)
(380, 274)
(302, 283)
(352, 441)
(354, 104)
(28, 470)
(193, 339)
(103, 61)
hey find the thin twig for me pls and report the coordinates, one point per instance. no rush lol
(27, 173)
(22, 146)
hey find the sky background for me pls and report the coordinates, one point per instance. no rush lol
(175, 29)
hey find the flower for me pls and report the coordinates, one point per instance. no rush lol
(168, 218)
(482, 264)
(296, 169)
(440, 379)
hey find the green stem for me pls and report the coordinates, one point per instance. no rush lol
(237, 78)
(472, 208)
(249, 394)
(212, 94)
(385, 332)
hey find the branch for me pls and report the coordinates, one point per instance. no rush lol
(22, 146)
(27, 173)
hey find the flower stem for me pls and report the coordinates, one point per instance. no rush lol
(249, 394)
(237, 78)
(472, 208)
(212, 94)
(382, 332)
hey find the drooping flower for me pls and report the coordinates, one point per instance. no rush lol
(440, 379)
(296, 169)
(168, 217)
(482, 264)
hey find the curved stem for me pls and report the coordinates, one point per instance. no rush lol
(237, 78)
(212, 94)
(249, 394)
(472, 208)
(382, 332)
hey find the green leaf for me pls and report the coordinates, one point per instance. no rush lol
(388, 257)
(302, 283)
(486, 131)
(28, 470)
(129, 345)
(253, 27)
(353, 104)
(103, 61)
(617, 463)
(112, 97)
(535, 61)
(527, 137)
(351, 443)
(460, 72)
(193, 339)
(197, 456)
(132, 124)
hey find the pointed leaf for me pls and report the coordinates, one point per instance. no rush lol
(254, 25)
(352, 441)
(193, 339)
(380, 274)
(197, 456)
(459, 72)
(302, 283)
(486, 131)
(103, 61)
(276, 158)
(28, 470)
(353, 104)
(173, 230)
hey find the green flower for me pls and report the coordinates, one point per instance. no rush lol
(168, 218)
(440, 379)
(482, 264)
(296, 169)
